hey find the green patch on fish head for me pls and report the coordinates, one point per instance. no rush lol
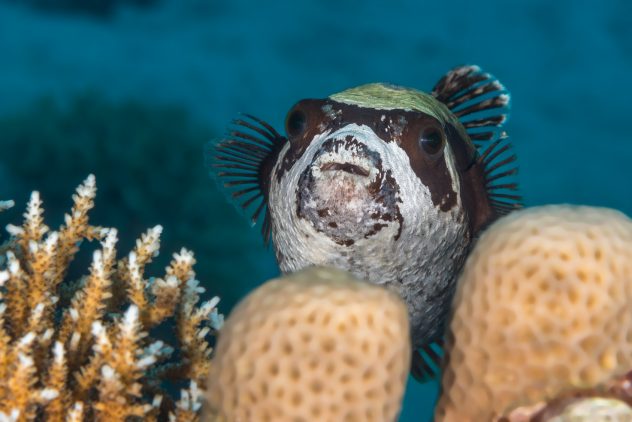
(382, 96)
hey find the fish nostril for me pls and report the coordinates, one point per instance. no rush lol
(346, 167)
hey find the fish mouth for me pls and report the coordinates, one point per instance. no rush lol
(346, 167)
(346, 194)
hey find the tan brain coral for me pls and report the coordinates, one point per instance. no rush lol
(315, 345)
(544, 304)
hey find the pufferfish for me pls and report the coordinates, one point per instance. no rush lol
(387, 182)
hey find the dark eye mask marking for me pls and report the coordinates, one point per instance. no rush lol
(392, 126)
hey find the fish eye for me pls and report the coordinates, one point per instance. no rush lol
(431, 140)
(296, 123)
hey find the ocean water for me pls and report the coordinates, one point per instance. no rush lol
(116, 75)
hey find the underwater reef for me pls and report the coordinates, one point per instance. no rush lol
(540, 330)
(88, 348)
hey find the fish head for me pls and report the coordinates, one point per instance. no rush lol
(356, 170)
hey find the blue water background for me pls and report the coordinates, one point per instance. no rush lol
(566, 63)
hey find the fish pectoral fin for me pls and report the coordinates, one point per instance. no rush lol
(426, 362)
(477, 98)
(499, 168)
(242, 162)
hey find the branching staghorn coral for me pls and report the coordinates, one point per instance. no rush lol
(93, 358)
(89, 132)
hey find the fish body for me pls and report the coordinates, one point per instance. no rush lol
(389, 183)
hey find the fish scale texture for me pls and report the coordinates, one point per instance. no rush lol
(318, 345)
(544, 304)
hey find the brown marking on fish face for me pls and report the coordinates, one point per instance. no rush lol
(403, 127)
(386, 192)
(431, 169)
(349, 168)
(393, 195)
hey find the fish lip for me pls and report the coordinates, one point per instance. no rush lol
(346, 167)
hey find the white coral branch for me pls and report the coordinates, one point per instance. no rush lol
(14, 230)
(190, 399)
(50, 245)
(13, 264)
(130, 326)
(48, 394)
(33, 216)
(5, 205)
(135, 277)
(102, 341)
(76, 413)
(109, 243)
(98, 268)
(59, 354)
(12, 416)
(184, 257)
(88, 189)
(150, 241)
(157, 350)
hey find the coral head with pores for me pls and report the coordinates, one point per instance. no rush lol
(544, 306)
(316, 345)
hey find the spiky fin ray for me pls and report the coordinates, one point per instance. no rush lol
(426, 362)
(239, 161)
(478, 99)
(498, 162)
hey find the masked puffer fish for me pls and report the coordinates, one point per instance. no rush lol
(389, 183)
